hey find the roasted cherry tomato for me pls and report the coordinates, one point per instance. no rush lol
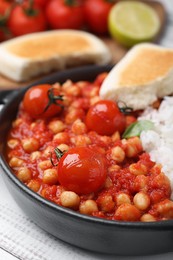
(96, 15)
(65, 14)
(26, 18)
(42, 101)
(82, 170)
(105, 118)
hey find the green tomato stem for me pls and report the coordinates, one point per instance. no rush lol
(30, 11)
(70, 2)
(53, 100)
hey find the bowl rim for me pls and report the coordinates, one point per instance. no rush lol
(166, 224)
(156, 225)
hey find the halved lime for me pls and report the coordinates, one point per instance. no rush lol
(132, 22)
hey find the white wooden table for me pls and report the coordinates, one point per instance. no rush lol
(25, 240)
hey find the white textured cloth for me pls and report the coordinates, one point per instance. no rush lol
(25, 240)
(21, 239)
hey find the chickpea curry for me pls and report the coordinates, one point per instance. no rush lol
(67, 145)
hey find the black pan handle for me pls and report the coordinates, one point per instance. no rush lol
(5, 95)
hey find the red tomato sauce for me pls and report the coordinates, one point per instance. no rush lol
(128, 186)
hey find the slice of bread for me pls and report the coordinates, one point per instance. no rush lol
(28, 56)
(143, 75)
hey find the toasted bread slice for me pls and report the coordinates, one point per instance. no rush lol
(25, 57)
(143, 75)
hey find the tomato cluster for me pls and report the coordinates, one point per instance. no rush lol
(80, 169)
(28, 16)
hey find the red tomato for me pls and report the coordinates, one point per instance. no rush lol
(25, 19)
(42, 101)
(96, 15)
(82, 170)
(4, 6)
(41, 3)
(63, 15)
(105, 118)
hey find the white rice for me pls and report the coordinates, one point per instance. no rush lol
(159, 142)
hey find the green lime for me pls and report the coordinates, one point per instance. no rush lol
(132, 22)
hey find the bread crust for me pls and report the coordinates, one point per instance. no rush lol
(143, 75)
(28, 56)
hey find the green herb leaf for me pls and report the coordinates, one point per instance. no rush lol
(136, 128)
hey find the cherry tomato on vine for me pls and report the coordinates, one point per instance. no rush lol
(64, 14)
(96, 15)
(26, 18)
(42, 101)
(82, 170)
(105, 118)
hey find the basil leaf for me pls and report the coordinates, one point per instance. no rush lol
(136, 128)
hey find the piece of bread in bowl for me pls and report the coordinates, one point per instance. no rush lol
(143, 75)
(28, 56)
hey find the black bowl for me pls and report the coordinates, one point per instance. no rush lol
(113, 237)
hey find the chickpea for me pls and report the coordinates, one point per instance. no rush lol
(132, 146)
(24, 174)
(16, 162)
(141, 200)
(17, 122)
(33, 125)
(34, 185)
(43, 165)
(79, 127)
(81, 140)
(12, 143)
(73, 90)
(147, 218)
(30, 145)
(94, 92)
(118, 154)
(108, 183)
(35, 155)
(50, 176)
(61, 138)
(141, 183)
(47, 151)
(138, 169)
(67, 100)
(81, 84)
(73, 115)
(56, 126)
(106, 203)
(88, 207)
(127, 212)
(105, 139)
(122, 198)
(116, 136)
(70, 199)
(114, 167)
(157, 168)
(165, 208)
(67, 84)
(161, 180)
(94, 100)
(57, 85)
(63, 147)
